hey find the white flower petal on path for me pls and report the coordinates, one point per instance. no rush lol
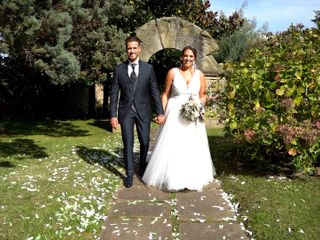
(219, 207)
(201, 220)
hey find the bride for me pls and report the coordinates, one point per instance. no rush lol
(181, 157)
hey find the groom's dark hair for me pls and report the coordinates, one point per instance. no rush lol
(133, 38)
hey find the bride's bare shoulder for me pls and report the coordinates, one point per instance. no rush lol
(171, 71)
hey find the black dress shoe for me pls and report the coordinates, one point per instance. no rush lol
(128, 181)
(142, 169)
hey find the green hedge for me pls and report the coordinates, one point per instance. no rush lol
(271, 103)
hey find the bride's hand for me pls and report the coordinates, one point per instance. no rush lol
(160, 119)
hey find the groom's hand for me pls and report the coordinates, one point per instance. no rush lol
(160, 119)
(114, 123)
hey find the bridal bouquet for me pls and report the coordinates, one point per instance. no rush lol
(192, 111)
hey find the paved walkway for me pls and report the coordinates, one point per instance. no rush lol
(143, 212)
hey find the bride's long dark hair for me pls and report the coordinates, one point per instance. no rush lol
(193, 50)
(189, 48)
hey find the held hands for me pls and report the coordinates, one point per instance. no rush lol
(160, 119)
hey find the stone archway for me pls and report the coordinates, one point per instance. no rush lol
(172, 32)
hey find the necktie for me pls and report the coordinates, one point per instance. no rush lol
(133, 75)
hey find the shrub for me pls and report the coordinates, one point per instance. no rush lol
(271, 101)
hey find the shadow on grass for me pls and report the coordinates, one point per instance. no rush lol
(103, 124)
(6, 164)
(22, 149)
(102, 157)
(53, 128)
(228, 160)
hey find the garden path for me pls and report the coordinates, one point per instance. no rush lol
(142, 212)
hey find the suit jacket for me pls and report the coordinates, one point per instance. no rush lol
(146, 91)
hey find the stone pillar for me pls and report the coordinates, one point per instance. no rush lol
(215, 83)
(99, 98)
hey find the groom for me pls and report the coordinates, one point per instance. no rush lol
(135, 82)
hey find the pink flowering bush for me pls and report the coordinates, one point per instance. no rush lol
(271, 103)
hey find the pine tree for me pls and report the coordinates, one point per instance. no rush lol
(61, 41)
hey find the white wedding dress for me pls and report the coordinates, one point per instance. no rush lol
(181, 157)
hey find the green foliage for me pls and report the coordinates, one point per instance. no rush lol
(233, 47)
(271, 102)
(63, 68)
(197, 12)
(88, 35)
(162, 62)
(316, 19)
(62, 41)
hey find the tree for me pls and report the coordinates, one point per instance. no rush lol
(316, 19)
(58, 42)
(194, 11)
(234, 46)
(63, 41)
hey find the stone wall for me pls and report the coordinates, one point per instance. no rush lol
(172, 32)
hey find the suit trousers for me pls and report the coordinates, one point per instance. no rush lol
(127, 131)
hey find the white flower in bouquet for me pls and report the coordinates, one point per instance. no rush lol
(192, 111)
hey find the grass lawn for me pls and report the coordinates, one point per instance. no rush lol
(272, 205)
(58, 180)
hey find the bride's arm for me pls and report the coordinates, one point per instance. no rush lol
(167, 88)
(203, 86)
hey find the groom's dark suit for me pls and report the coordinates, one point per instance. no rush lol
(141, 95)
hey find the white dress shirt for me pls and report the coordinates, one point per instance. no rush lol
(136, 68)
